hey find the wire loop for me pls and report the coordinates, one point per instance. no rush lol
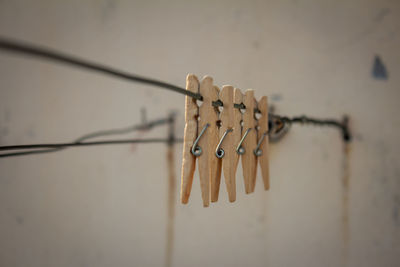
(196, 150)
(241, 150)
(219, 152)
(258, 152)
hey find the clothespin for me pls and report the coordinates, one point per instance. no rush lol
(248, 143)
(229, 137)
(200, 140)
(209, 166)
(190, 135)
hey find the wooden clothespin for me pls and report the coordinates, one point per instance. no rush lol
(229, 137)
(248, 143)
(209, 166)
(190, 135)
(200, 141)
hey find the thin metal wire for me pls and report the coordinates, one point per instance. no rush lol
(50, 54)
(144, 126)
(343, 126)
(93, 143)
(25, 153)
(60, 57)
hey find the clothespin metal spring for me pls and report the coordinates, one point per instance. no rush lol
(240, 150)
(258, 152)
(196, 150)
(219, 152)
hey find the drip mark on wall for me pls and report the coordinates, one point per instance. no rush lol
(345, 201)
(171, 195)
(396, 210)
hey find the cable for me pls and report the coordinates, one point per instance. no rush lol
(343, 126)
(46, 53)
(149, 125)
(93, 143)
(144, 126)
(25, 153)
(49, 54)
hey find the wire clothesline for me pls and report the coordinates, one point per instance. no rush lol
(80, 141)
(92, 143)
(50, 54)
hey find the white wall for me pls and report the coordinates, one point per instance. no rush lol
(106, 206)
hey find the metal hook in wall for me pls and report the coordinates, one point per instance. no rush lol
(278, 129)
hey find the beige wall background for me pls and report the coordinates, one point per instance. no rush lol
(107, 206)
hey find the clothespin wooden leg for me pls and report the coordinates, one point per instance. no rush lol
(238, 117)
(262, 149)
(190, 134)
(229, 133)
(249, 160)
(216, 164)
(208, 167)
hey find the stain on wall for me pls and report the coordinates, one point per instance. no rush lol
(379, 71)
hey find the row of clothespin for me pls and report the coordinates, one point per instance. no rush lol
(217, 139)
